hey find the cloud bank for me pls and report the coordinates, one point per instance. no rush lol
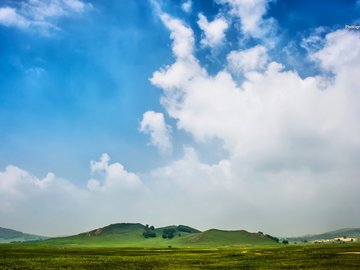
(292, 145)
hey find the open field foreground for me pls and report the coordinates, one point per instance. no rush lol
(340, 256)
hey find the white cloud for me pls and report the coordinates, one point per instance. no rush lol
(214, 32)
(275, 125)
(339, 51)
(215, 107)
(153, 123)
(50, 177)
(251, 14)
(182, 36)
(293, 149)
(187, 6)
(113, 175)
(25, 199)
(54, 206)
(98, 166)
(42, 10)
(253, 59)
(10, 17)
(229, 194)
(40, 15)
(315, 41)
(76, 5)
(10, 180)
(173, 77)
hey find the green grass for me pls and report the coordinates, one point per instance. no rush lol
(340, 256)
(131, 235)
(207, 239)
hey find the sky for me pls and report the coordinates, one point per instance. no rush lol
(229, 114)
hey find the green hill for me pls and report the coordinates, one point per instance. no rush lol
(347, 232)
(115, 229)
(221, 238)
(9, 235)
(138, 235)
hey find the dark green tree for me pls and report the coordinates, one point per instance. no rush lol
(149, 231)
(169, 233)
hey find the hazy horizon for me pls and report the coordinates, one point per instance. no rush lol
(227, 114)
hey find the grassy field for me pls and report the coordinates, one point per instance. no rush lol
(209, 239)
(340, 256)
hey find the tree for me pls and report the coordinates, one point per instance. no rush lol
(272, 237)
(169, 233)
(149, 231)
(183, 228)
(149, 234)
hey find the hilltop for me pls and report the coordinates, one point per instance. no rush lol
(139, 235)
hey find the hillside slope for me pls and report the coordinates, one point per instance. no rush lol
(221, 238)
(9, 235)
(134, 235)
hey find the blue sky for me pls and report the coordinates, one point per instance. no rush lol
(77, 78)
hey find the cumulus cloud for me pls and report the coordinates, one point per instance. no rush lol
(187, 6)
(153, 123)
(214, 32)
(228, 193)
(40, 15)
(284, 132)
(339, 51)
(32, 201)
(172, 78)
(250, 13)
(182, 36)
(292, 151)
(113, 175)
(215, 107)
(253, 59)
(55, 206)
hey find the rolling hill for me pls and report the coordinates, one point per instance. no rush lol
(9, 235)
(138, 235)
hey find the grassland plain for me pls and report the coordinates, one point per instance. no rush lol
(339, 256)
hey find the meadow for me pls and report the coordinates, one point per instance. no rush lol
(326, 256)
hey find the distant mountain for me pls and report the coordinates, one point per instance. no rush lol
(138, 235)
(347, 232)
(9, 235)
